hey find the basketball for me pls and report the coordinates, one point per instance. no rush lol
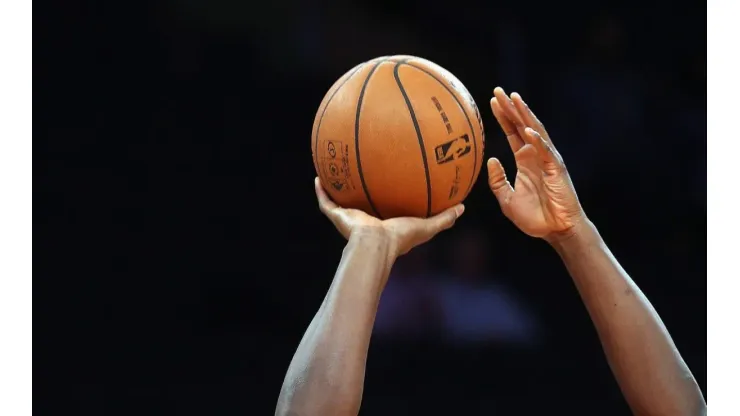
(398, 136)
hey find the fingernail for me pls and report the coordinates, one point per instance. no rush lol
(529, 130)
(459, 210)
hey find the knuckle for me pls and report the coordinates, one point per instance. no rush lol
(497, 181)
(494, 180)
(447, 223)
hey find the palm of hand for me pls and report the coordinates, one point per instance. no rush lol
(532, 206)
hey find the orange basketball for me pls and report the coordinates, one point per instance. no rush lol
(398, 136)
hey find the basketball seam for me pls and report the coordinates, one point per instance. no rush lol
(357, 139)
(321, 118)
(418, 136)
(470, 124)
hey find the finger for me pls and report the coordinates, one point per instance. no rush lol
(509, 110)
(545, 152)
(326, 205)
(497, 181)
(528, 116)
(443, 220)
(515, 142)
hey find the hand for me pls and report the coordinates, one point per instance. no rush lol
(403, 233)
(542, 202)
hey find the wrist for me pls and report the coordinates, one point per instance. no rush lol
(376, 240)
(582, 233)
(366, 261)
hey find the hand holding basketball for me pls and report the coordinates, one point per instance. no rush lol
(542, 203)
(404, 233)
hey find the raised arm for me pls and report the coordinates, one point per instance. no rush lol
(327, 373)
(649, 369)
(654, 378)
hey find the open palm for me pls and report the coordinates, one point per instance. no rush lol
(542, 203)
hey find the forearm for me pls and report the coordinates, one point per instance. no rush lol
(648, 367)
(326, 375)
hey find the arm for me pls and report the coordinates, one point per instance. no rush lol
(649, 369)
(327, 373)
(543, 203)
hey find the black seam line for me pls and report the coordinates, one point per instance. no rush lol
(321, 118)
(418, 136)
(470, 124)
(357, 138)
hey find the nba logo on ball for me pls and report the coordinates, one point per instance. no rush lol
(454, 149)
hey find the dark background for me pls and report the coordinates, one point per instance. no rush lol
(180, 253)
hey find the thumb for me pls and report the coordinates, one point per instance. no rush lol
(417, 231)
(498, 183)
(444, 220)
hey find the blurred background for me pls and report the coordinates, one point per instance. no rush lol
(180, 253)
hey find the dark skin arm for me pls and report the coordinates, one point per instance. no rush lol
(327, 373)
(543, 203)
